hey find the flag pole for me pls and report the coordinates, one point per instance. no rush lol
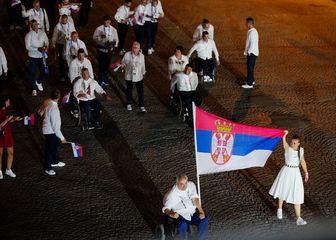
(195, 141)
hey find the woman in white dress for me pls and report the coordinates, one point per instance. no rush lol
(288, 185)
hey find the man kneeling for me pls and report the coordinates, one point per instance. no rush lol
(183, 204)
(84, 90)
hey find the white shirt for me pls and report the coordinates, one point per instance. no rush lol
(184, 82)
(76, 66)
(123, 13)
(176, 65)
(134, 66)
(52, 120)
(156, 12)
(40, 16)
(62, 33)
(140, 14)
(199, 31)
(71, 49)
(33, 41)
(3, 62)
(252, 42)
(181, 201)
(204, 49)
(89, 87)
(110, 33)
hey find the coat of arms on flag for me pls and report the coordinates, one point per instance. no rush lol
(222, 142)
(29, 120)
(77, 150)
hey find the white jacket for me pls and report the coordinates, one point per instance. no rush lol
(134, 66)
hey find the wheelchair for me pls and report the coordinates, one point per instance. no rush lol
(197, 68)
(177, 106)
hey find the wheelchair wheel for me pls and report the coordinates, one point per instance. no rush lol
(175, 104)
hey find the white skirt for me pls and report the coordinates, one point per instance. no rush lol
(288, 186)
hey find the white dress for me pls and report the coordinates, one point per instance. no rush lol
(288, 185)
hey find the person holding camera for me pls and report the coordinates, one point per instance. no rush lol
(106, 38)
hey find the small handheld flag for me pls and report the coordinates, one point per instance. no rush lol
(77, 150)
(29, 120)
(116, 65)
(66, 98)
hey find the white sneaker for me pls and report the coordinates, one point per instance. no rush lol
(279, 213)
(1, 175)
(143, 109)
(59, 164)
(150, 51)
(300, 222)
(209, 79)
(10, 173)
(50, 172)
(39, 86)
(153, 50)
(205, 79)
(129, 107)
(247, 86)
(253, 83)
(34, 93)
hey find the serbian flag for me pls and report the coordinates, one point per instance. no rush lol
(222, 145)
(77, 150)
(66, 98)
(29, 120)
(116, 65)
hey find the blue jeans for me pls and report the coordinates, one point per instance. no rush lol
(202, 225)
(36, 65)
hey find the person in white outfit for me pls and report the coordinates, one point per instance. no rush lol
(76, 66)
(288, 185)
(205, 26)
(134, 65)
(39, 14)
(61, 35)
(72, 46)
(67, 8)
(251, 51)
(3, 69)
(140, 18)
(177, 62)
(204, 49)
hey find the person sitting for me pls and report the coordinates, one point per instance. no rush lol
(177, 62)
(84, 90)
(204, 49)
(76, 66)
(205, 26)
(186, 83)
(182, 203)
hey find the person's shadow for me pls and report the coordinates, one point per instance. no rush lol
(241, 106)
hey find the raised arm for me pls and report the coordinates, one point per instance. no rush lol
(284, 141)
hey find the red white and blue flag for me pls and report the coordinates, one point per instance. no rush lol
(222, 145)
(77, 150)
(66, 98)
(29, 120)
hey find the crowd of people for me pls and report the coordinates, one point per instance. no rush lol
(75, 66)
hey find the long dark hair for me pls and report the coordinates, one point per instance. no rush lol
(296, 137)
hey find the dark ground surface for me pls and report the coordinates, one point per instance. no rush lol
(115, 190)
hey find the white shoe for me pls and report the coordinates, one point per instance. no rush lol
(205, 79)
(143, 109)
(1, 175)
(279, 213)
(300, 222)
(247, 86)
(59, 164)
(129, 107)
(50, 172)
(39, 86)
(34, 93)
(150, 51)
(10, 173)
(253, 83)
(209, 79)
